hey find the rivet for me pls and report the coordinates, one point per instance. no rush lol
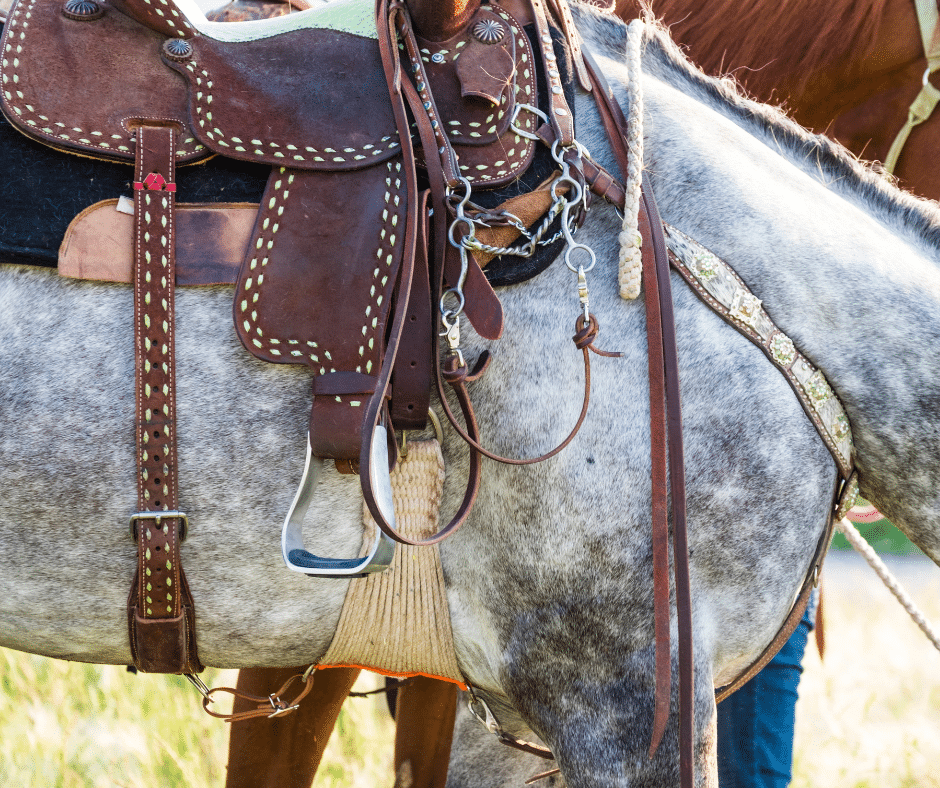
(561, 111)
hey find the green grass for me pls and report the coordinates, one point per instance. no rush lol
(883, 536)
(71, 725)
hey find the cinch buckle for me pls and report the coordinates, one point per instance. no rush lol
(157, 517)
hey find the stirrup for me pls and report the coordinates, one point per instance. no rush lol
(379, 557)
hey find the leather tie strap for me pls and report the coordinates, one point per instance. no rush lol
(268, 706)
(161, 615)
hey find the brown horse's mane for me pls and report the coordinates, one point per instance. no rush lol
(909, 215)
(779, 44)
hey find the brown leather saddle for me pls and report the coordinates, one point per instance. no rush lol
(337, 276)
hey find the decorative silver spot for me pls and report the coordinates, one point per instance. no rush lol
(82, 10)
(437, 57)
(488, 31)
(177, 49)
(818, 388)
(704, 266)
(840, 429)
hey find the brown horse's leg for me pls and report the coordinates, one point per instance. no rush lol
(424, 729)
(285, 752)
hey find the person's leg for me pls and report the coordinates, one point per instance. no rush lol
(756, 723)
(285, 752)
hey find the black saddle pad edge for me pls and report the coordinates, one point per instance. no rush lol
(42, 190)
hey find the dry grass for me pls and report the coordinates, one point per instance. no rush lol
(868, 716)
(68, 725)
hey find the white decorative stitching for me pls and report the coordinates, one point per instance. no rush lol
(40, 122)
(204, 116)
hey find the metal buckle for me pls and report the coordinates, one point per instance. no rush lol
(157, 517)
(279, 706)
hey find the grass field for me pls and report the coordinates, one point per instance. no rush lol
(868, 716)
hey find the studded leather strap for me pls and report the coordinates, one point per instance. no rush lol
(160, 608)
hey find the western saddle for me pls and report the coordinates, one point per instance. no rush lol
(373, 119)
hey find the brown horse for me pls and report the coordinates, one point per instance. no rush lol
(845, 68)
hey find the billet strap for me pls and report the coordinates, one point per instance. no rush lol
(161, 614)
(927, 99)
(411, 394)
(269, 706)
(664, 385)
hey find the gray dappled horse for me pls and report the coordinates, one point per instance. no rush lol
(549, 582)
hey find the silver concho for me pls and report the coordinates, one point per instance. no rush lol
(177, 49)
(82, 10)
(488, 31)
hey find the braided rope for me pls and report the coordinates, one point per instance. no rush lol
(628, 275)
(858, 542)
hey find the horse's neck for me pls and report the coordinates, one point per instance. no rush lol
(819, 58)
(859, 298)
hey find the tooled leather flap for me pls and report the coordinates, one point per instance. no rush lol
(333, 384)
(317, 283)
(309, 99)
(85, 85)
(159, 15)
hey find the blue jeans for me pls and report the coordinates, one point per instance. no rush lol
(755, 725)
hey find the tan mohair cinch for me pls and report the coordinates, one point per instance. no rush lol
(397, 622)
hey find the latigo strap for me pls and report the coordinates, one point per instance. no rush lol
(161, 615)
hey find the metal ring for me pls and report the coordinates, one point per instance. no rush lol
(515, 114)
(588, 249)
(452, 313)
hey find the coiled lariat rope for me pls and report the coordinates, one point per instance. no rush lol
(858, 542)
(628, 275)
